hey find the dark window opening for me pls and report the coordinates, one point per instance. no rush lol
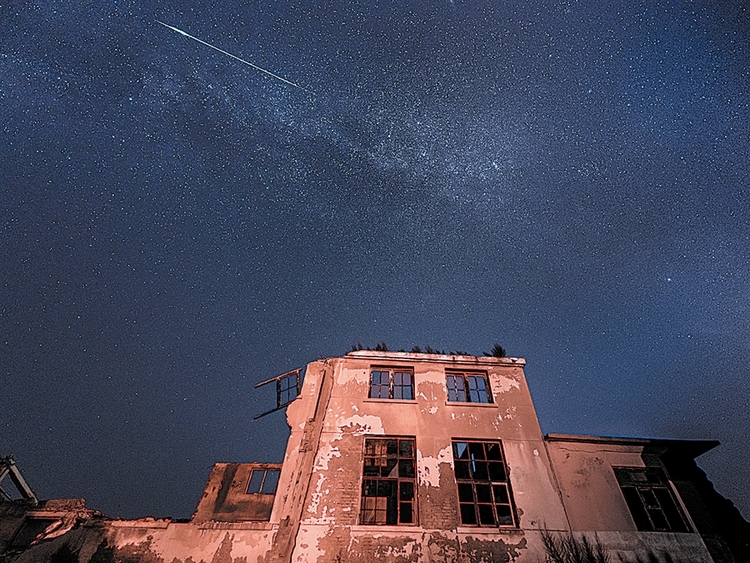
(263, 482)
(484, 495)
(388, 482)
(28, 532)
(391, 384)
(468, 388)
(650, 499)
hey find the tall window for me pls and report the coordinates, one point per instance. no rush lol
(391, 384)
(388, 483)
(650, 499)
(468, 387)
(484, 495)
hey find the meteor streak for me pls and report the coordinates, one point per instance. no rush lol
(256, 67)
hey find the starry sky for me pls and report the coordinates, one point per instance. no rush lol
(568, 179)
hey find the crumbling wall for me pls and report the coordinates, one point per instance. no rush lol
(330, 528)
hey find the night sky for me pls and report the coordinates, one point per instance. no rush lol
(570, 180)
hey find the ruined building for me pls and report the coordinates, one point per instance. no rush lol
(399, 457)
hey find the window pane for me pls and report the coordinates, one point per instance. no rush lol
(465, 492)
(460, 450)
(406, 448)
(479, 471)
(476, 449)
(486, 514)
(649, 499)
(369, 488)
(497, 472)
(407, 490)
(504, 515)
(493, 451)
(272, 479)
(676, 523)
(462, 470)
(456, 390)
(405, 516)
(501, 494)
(390, 469)
(468, 515)
(406, 468)
(403, 380)
(637, 510)
(477, 389)
(658, 519)
(483, 493)
(379, 385)
(256, 480)
(392, 447)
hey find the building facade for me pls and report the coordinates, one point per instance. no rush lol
(404, 457)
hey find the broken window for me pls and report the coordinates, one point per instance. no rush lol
(484, 495)
(650, 499)
(263, 481)
(388, 482)
(391, 384)
(468, 388)
(287, 389)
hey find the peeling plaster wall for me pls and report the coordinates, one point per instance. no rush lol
(330, 527)
(154, 541)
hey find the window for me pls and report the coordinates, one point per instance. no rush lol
(391, 384)
(468, 388)
(484, 496)
(288, 386)
(650, 500)
(388, 483)
(263, 481)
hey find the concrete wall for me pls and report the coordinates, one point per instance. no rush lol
(595, 505)
(330, 528)
(225, 497)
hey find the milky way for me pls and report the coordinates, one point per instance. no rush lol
(569, 180)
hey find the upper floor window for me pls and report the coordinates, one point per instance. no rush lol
(468, 388)
(388, 482)
(650, 500)
(484, 496)
(391, 384)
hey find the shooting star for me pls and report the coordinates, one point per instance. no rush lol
(256, 67)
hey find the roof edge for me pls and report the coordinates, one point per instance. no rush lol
(694, 448)
(423, 357)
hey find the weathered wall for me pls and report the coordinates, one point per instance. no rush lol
(330, 526)
(596, 507)
(225, 497)
(592, 497)
(154, 541)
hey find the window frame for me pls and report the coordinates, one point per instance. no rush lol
(371, 513)
(484, 487)
(265, 470)
(466, 377)
(392, 385)
(652, 503)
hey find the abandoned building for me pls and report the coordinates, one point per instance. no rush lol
(398, 457)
